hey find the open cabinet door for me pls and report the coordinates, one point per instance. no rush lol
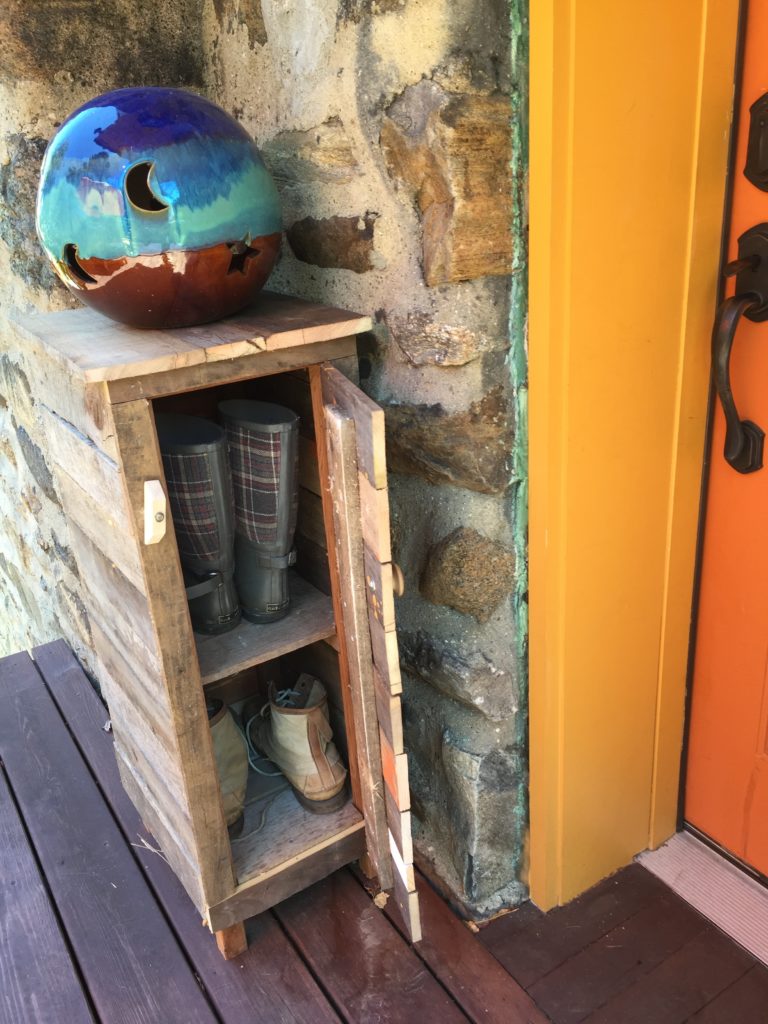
(358, 478)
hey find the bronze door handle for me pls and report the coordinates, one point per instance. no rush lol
(743, 448)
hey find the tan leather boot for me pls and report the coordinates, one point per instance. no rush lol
(293, 731)
(231, 756)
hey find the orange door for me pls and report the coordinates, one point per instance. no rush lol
(726, 794)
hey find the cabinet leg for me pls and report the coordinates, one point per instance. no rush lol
(232, 941)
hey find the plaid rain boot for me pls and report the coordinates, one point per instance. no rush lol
(264, 455)
(231, 756)
(197, 473)
(294, 732)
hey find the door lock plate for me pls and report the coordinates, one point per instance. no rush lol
(752, 277)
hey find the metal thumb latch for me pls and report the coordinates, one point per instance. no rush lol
(155, 512)
(744, 439)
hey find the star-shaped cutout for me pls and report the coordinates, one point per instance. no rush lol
(241, 253)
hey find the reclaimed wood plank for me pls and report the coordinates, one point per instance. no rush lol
(309, 619)
(368, 969)
(338, 641)
(287, 831)
(309, 521)
(284, 880)
(270, 977)
(120, 938)
(607, 967)
(390, 712)
(312, 563)
(99, 349)
(549, 940)
(342, 478)
(207, 374)
(338, 392)
(309, 468)
(473, 976)
(684, 983)
(38, 981)
(179, 673)
(395, 769)
(374, 505)
(379, 590)
(57, 387)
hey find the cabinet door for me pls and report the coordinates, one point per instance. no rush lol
(358, 475)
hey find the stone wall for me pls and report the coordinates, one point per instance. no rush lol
(393, 129)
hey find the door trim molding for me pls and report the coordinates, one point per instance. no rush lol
(610, 604)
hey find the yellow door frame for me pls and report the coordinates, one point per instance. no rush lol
(630, 115)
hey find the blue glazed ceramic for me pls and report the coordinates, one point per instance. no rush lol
(156, 208)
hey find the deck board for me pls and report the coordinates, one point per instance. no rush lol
(270, 979)
(454, 954)
(369, 970)
(37, 984)
(95, 926)
(99, 893)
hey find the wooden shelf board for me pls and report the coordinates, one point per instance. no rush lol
(288, 834)
(309, 619)
(97, 349)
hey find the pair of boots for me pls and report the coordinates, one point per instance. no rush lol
(233, 492)
(294, 732)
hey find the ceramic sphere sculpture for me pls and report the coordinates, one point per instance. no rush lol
(156, 208)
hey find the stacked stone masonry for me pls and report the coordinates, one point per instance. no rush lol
(389, 128)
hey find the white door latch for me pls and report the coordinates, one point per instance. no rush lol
(155, 512)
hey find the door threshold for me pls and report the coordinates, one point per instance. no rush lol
(722, 892)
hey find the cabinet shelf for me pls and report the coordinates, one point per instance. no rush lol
(278, 833)
(309, 619)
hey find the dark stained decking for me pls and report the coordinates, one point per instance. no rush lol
(95, 927)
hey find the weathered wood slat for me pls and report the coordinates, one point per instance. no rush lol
(310, 618)
(338, 641)
(113, 601)
(340, 394)
(99, 349)
(369, 422)
(395, 769)
(390, 712)
(57, 387)
(179, 674)
(287, 831)
(312, 563)
(284, 880)
(99, 893)
(374, 506)
(309, 469)
(269, 979)
(369, 971)
(342, 477)
(38, 981)
(379, 590)
(310, 521)
(249, 367)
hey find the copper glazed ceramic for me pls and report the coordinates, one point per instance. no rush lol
(156, 208)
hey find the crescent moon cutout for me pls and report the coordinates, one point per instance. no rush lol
(139, 190)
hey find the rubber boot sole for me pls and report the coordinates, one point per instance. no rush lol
(333, 803)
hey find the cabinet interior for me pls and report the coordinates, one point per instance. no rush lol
(240, 665)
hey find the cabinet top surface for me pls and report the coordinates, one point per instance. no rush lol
(97, 349)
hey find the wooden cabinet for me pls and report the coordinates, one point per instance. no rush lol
(98, 386)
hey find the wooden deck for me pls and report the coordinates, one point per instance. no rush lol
(95, 927)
